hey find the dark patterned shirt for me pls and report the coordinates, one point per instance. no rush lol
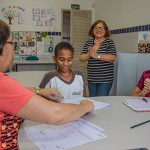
(9, 131)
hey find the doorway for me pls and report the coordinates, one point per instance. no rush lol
(66, 15)
(75, 27)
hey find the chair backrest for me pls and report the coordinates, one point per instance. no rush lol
(28, 78)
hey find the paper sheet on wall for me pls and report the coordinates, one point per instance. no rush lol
(77, 100)
(64, 137)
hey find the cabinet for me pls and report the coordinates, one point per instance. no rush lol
(40, 65)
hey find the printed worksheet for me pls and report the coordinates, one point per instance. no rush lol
(63, 137)
(77, 100)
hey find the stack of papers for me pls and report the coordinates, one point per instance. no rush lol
(67, 136)
(138, 105)
(62, 137)
(77, 100)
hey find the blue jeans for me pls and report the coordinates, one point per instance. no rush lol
(99, 89)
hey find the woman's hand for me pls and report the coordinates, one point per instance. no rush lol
(146, 88)
(92, 52)
(147, 84)
(89, 105)
(144, 91)
(51, 93)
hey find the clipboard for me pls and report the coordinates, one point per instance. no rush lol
(137, 105)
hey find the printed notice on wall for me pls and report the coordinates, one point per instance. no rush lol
(43, 17)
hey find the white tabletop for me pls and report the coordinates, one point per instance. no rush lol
(116, 122)
(28, 78)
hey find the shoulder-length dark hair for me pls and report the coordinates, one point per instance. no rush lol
(107, 32)
(4, 34)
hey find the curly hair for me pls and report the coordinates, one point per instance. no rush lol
(61, 46)
(107, 32)
(4, 34)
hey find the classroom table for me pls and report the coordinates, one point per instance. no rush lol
(28, 78)
(116, 121)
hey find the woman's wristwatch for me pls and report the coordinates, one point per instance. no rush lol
(98, 56)
(37, 90)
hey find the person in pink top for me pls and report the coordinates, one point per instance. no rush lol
(18, 102)
(143, 86)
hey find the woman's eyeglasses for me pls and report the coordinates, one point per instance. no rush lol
(14, 44)
(99, 28)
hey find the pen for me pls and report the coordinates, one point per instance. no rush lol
(56, 97)
(139, 124)
(145, 100)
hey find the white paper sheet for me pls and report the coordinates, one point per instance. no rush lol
(64, 137)
(138, 104)
(77, 100)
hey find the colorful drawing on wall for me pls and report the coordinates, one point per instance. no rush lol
(45, 42)
(13, 14)
(15, 36)
(49, 43)
(39, 44)
(43, 17)
(27, 43)
(144, 42)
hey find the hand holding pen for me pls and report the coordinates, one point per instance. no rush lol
(56, 98)
(51, 94)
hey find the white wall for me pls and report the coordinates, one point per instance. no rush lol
(123, 13)
(57, 5)
(126, 42)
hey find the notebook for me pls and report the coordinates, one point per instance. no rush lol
(138, 105)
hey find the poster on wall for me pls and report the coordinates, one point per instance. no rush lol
(45, 43)
(15, 36)
(43, 17)
(12, 15)
(39, 44)
(143, 42)
(27, 43)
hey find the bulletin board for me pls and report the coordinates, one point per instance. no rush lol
(32, 43)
